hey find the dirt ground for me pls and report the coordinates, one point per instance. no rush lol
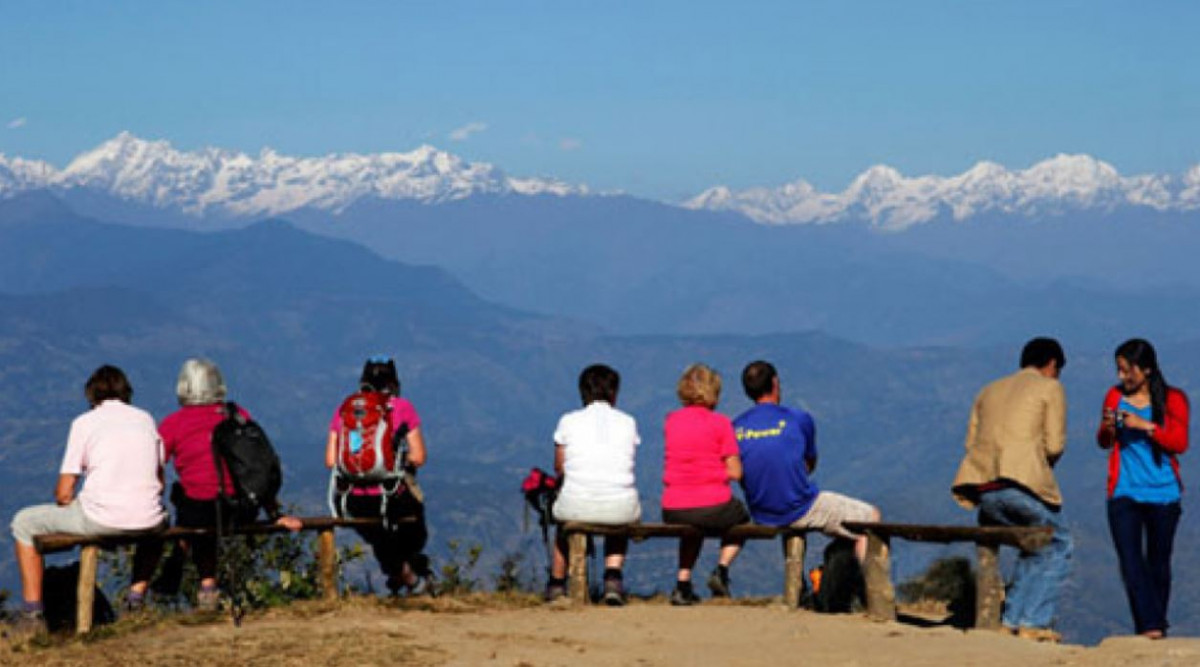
(520, 633)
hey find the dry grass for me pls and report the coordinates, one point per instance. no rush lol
(516, 629)
(342, 632)
(333, 633)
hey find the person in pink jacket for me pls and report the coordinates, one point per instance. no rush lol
(700, 460)
(187, 443)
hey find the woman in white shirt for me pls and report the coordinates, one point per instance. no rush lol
(594, 452)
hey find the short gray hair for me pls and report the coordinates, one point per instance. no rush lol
(200, 383)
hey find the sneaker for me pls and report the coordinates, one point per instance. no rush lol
(614, 593)
(26, 625)
(394, 584)
(420, 587)
(554, 592)
(1039, 635)
(135, 604)
(719, 585)
(208, 599)
(683, 597)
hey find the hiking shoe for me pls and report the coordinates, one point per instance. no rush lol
(134, 605)
(683, 597)
(395, 584)
(1040, 635)
(718, 584)
(208, 600)
(420, 587)
(554, 592)
(614, 593)
(26, 625)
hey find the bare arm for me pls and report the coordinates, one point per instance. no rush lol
(64, 493)
(416, 448)
(733, 468)
(559, 459)
(331, 450)
(811, 465)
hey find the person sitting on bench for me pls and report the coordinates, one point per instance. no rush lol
(115, 448)
(700, 460)
(778, 446)
(594, 453)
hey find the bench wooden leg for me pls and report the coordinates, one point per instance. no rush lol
(327, 561)
(877, 571)
(577, 567)
(793, 570)
(85, 588)
(989, 587)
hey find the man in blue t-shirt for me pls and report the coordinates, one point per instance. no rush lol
(778, 448)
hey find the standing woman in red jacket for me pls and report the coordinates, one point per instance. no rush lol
(1147, 421)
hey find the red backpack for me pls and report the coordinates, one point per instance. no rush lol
(366, 442)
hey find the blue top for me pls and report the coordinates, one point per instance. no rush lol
(1143, 477)
(775, 442)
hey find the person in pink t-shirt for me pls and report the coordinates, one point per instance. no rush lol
(701, 459)
(397, 547)
(187, 441)
(115, 449)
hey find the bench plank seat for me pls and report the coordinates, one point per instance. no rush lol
(55, 542)
(1029, 538)
(642, 531)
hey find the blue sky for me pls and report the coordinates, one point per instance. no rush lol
(659, 99)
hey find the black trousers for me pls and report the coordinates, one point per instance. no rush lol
(402, 543)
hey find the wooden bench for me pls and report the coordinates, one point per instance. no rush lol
(578, 532)
(877, 569)
(90, 547)
(989, 587)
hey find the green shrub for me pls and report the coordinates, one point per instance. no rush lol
(949, 580)
(510, 578)
(256, 571)
(458, 573)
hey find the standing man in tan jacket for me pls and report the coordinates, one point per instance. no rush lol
(1017, 432)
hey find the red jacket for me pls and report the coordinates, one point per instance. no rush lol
(1171, 435)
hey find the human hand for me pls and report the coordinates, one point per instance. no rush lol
(290, 522)
(1108, 419)
(1135, 422)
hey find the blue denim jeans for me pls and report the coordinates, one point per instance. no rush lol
(1032, 597)
(1144, 535)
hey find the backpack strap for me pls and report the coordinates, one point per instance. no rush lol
(232, 410)
(383, 508)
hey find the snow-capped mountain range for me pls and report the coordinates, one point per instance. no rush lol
(885, 198)
(213, 181)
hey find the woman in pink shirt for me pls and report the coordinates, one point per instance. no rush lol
(187, 441)
(398, 545)
(701, 459)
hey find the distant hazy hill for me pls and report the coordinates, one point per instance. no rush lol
(1068, 246)
(290, 315)
(635, 266)
(638, 267)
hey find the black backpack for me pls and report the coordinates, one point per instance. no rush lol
(251, 461)
(257, 476)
